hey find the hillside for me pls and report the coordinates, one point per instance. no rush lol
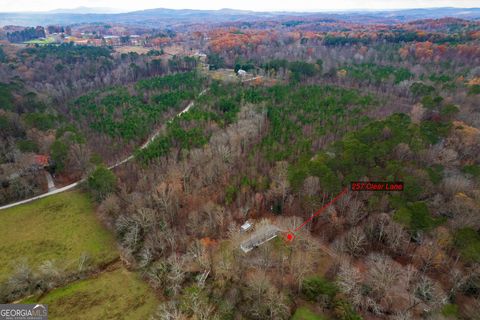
(169, 17)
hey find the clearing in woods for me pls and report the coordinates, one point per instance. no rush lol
(135, 49)
(304, 313)
(61, 228)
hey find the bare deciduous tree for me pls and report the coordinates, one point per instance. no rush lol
(110, 207)
(349, 281)
(355, 212)
(383, 273)
(353, 242)
(79, 157)
(164, 199)
(264, 301)
(311, 186)
(457, 183)
(176, 274)
(429, 293)
(280, 184)
(168, 311)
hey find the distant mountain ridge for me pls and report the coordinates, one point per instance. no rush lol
(85, 10)
(167, 17)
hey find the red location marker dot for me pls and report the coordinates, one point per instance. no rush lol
(290, 237)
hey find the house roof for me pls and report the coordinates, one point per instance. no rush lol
(247, 225)
(261, 236)
(41, 160)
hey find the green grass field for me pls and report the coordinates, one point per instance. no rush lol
(304, 313)
(118, 294)
(59, 228)
(48, 40)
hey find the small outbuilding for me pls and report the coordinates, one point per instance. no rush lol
(241, 73)
(246, 226)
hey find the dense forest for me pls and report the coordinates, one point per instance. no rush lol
(322, 104)
(44, 113)
(26, 34)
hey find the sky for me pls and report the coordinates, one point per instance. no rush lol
(255, 5)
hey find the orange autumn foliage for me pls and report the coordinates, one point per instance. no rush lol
(403, 52)
(160, 41)
(207, 242)
(474, 81)
(433, 52)
(227, 39)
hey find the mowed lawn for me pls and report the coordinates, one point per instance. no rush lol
(118, 294)
(59, 228)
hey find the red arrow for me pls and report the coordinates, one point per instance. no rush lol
(291, 236)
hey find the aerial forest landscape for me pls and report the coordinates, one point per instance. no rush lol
(290, 160)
